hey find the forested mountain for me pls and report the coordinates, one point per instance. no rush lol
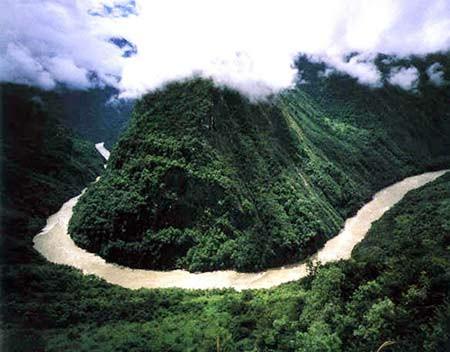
(45, 157)
(95, 114)
(331, 143)
(43, 164)
(204, 179)
(395, 289)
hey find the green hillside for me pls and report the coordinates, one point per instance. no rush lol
(395, 289)
(204, 179)
(43, 164)
(95, 114)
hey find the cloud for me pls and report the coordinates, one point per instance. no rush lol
(113, 8)
(406, 78)
(18, 65)
(249, 45)
(435, 74)
(360, 66)
(46, 42)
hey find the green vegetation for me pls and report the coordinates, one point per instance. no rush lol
(95, 114)
(199, 180)
(43, 164)
(396, 288)
(203, 179)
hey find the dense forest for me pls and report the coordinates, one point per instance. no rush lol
(204, 179)
(43, 164)
(97, 114)
(394, 290)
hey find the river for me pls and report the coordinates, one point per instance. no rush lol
(56, 245)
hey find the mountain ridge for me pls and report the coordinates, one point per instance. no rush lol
(214, 181)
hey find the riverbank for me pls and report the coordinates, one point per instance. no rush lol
(56, 245)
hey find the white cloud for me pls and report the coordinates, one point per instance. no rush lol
(48, 41)
(406, 78)
(249, 45)
(360, 66)
(65, 70)
(435, 74)
(18, 65)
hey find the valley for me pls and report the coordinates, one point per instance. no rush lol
(224, 176)
(55, 244)
(204, 179)
(274, 180)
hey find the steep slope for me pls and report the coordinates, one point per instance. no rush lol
(416, 122)
(95, 114)
(197, 170)
(43, 164)
(396, 288)
(204, 179)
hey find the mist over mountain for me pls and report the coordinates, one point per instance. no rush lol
(260, 145)
(204, 179)
(138, 46)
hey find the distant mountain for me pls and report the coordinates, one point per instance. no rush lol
(95, 114)
(204, 179)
